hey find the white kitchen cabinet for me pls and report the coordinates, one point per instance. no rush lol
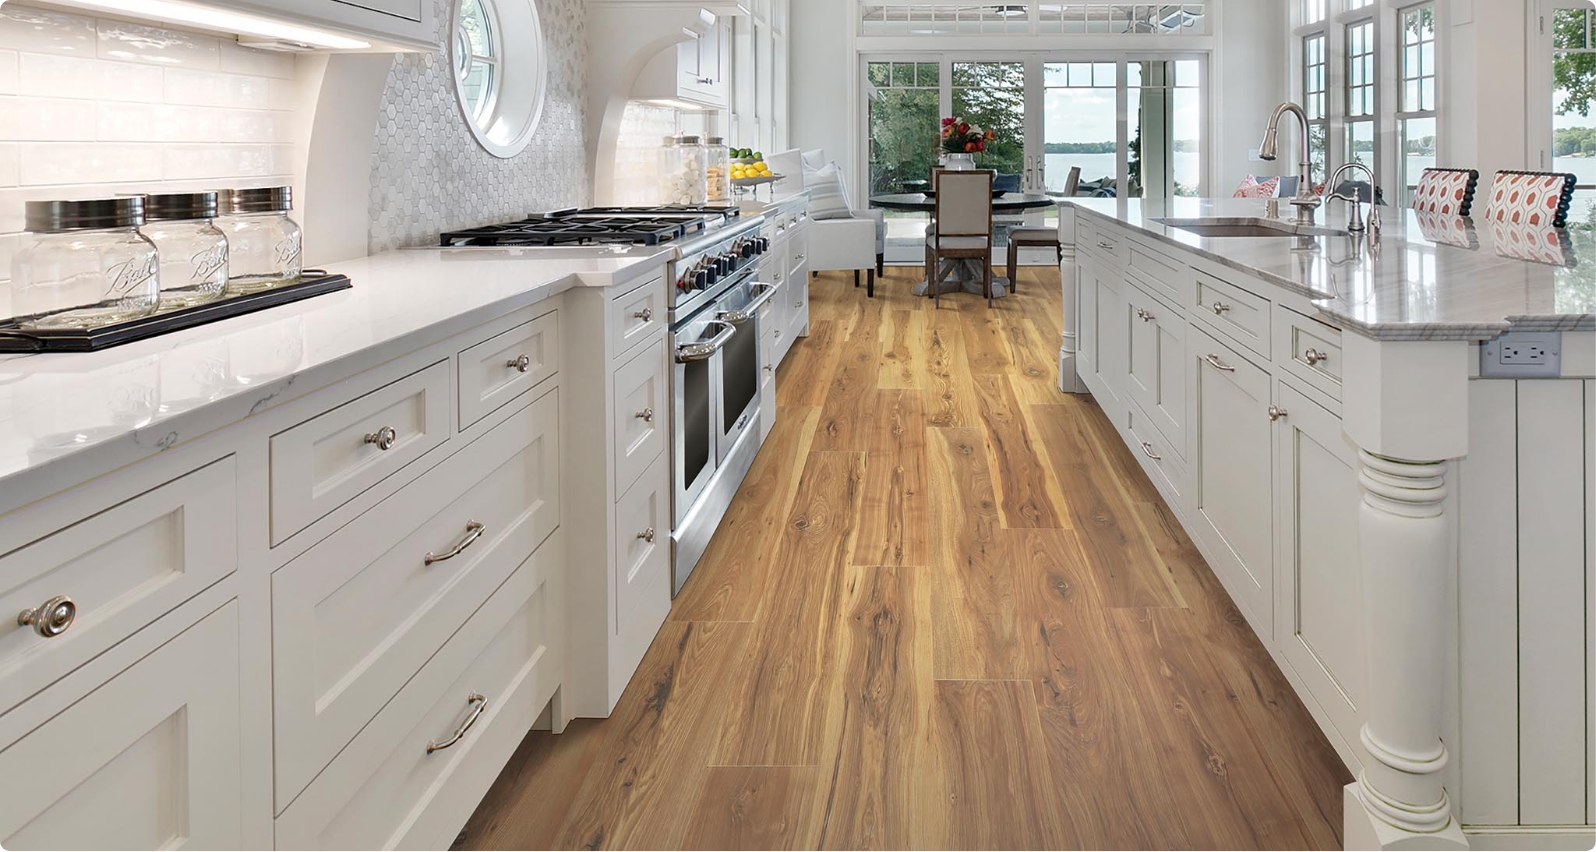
(1319, 609)
(1232, 467)
(406, 24)
(1112, 334)
(149, 760)
(702, 66)
(1155, 375)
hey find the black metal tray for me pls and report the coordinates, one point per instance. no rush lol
(315, 282)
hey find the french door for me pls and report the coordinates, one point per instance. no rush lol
(1133, 126)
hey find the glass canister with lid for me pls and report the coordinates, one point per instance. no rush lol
(86, 266)
(194, 253)
(682, 176)
(263, 243)
(717, 168)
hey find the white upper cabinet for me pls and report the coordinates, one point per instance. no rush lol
(400, 23)
(318, 25)
(696, 70)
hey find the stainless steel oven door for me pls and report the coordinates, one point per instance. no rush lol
(694, 397)
(739, 363)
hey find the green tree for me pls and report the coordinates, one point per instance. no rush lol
(992, 94)
(1573, 74)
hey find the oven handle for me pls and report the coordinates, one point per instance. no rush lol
(704, 349)
(748, 313)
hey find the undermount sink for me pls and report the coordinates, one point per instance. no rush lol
(1248, 226)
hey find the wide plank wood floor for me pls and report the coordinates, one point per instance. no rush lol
(946, 611)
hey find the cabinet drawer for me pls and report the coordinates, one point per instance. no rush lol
(1310, 350)
(642, 541)
(149, 760)
(637, 315)
(122, 567)
(324, 462)
(1158, 456)
(798, 311)
(353, 618)
(640, 414)
(386, 790)
(1162, 276)
(1103, 243)
(507, 365)
(1242, 315)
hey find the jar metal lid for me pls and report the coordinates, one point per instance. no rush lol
(715, 140)
(44, 217)
(681, 139)
(275, 199)
(180, 205)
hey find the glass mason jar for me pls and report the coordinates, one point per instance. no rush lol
(193, 251)
(87, 265)
(717, 168)
(263, 244)
(682, 177)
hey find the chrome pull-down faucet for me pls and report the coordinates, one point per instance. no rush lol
(1355, 221)
(1306, 201)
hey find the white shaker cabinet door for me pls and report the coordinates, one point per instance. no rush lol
(149, 760)
(1233, 472)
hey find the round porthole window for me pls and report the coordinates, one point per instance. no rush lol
(500, 69)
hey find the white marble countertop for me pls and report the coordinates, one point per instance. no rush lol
(80, 415)
(1424, 278)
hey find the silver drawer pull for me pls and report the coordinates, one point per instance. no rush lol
(1214, 360)
(521, 364)
(646, 315)
(1219, 308)
(478, 704)
(1314, 356)
(647, 535)
(51, 618)
(646, 415)
(384, 438)
(1147, 449)
(1276, 413)
(1105, 244)
(798, 261)
(769, 369)
(775, 334)
(474, 531)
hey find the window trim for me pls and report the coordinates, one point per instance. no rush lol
(510, 116)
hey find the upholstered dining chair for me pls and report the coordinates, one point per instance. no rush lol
(1446, 192)
(1531, 198)
(1038, 237)
(963, 226)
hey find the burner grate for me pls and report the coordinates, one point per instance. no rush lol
(575, 230)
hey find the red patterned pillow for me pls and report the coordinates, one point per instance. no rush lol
(1445, 192)
(1531, 199)
(1254, 188)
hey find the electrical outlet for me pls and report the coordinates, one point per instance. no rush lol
(1523, 355)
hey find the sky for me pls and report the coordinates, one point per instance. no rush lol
(1088, 115)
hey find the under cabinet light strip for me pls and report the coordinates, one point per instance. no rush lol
(224, 20)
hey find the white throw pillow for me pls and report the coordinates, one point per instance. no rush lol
(828, 198)
(790, 165)
(815, 160)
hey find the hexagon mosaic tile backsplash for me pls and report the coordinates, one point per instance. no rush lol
(428, 174)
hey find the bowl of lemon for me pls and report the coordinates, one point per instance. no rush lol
(748, 168)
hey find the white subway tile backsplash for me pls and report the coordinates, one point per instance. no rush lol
(48, 75)
(88, 163)
(261, 63)
(45, 119)
(8, 164)
(282, 94)
(192, 162)
(8, 72)
(247, 125)
(127, 42)
(38, 31)
(204, 88)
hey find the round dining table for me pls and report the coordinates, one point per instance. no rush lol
(964, 275)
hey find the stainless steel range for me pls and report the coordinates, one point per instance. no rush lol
(714, 319)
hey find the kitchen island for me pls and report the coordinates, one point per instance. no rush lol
(1368, 440)
(367, 518)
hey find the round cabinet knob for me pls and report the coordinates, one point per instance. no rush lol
(521, 364)
(647, 535)
(1314, 356)
(646, 315)
(384, 438)
(646, 415)
(1276, 413)
(1219, 307)
(51, 618)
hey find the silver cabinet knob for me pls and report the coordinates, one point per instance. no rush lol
(521, 364)
(1276, 413)
(474, 531)
(769, 369)
(647, 535)
(646, 415)
(1314, 356)
(478, 703)
(384, 438)
(1219, 308)
(1214, 360)
(1145, 315)
(646, 315)
(51, 618)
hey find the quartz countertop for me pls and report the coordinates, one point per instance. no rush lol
(1423, 278)
(83, 414)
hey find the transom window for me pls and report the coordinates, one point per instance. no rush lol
(960, 17)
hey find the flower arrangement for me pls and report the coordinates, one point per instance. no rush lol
(962, 137)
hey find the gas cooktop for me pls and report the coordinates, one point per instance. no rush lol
(646, 226)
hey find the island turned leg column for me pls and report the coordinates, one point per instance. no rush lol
(1407, 411)
(1069, 381)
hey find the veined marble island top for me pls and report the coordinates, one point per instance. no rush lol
(88, 413)
(1421, 278)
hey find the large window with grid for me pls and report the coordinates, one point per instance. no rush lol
(1415, 97)
(1360, 93)
(1316, 98)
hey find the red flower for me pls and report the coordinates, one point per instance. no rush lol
(980, 146)
(969, 147)
(964, 127)
(948, 121)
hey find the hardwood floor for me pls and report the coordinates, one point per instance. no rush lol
(946, 611)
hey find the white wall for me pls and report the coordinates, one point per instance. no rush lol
(822, 70)
(1483, 93)
(1249, 78)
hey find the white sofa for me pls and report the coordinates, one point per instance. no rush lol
(857, 243)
